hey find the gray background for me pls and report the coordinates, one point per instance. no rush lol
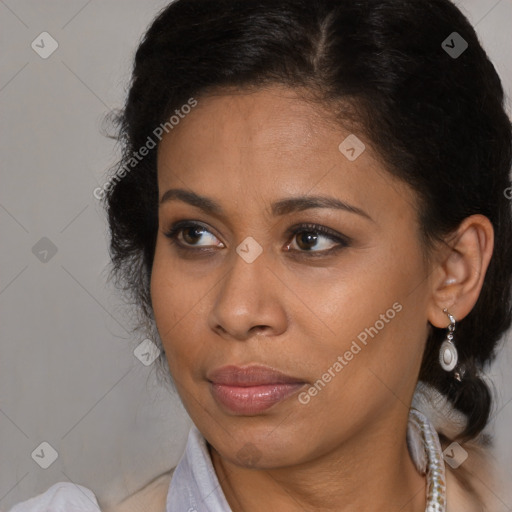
(68, 375)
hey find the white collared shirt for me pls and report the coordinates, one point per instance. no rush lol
(194, 485)
(61, 497)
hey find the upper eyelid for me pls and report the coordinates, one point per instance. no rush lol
(183, 224)
(179, 226)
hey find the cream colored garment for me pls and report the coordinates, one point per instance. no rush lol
(478, 472)
(151, 498)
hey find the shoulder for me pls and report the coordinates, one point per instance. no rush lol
(60, 497)
(468, 485)
(66, 496)
(151, 497)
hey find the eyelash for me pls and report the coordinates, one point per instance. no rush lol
(342, 241)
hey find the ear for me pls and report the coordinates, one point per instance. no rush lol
(458, 274)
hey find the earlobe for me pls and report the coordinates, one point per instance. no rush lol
(460, 273)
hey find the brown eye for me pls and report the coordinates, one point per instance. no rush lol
(188, 235)
(315, 239)
(306, 240)
(192, 234)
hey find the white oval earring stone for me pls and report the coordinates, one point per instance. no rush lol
(448, 356)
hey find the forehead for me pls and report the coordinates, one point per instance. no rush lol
(270, 144)
(275, 118)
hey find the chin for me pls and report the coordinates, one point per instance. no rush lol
(259, 448)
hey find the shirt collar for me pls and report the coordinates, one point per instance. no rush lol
(194, 485)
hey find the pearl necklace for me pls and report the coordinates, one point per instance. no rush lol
(421, 432)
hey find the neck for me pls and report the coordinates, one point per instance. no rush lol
(371, 471)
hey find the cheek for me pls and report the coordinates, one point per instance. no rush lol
(354, 295)
(168, 298)
(163, 294)
(375, 300)
(173, 291)
(178, 301)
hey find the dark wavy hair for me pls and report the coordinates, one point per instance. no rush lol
(436, 120)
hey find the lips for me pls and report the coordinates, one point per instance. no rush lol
(256, 375)
(251, 390)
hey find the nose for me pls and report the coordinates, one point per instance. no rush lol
(248, 300)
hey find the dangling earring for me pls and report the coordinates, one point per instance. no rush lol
(448, 355)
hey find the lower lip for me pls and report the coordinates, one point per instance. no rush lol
(252, 399)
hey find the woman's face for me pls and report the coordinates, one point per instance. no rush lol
(342, 312)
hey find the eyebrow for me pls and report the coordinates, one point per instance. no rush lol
(281, 207)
